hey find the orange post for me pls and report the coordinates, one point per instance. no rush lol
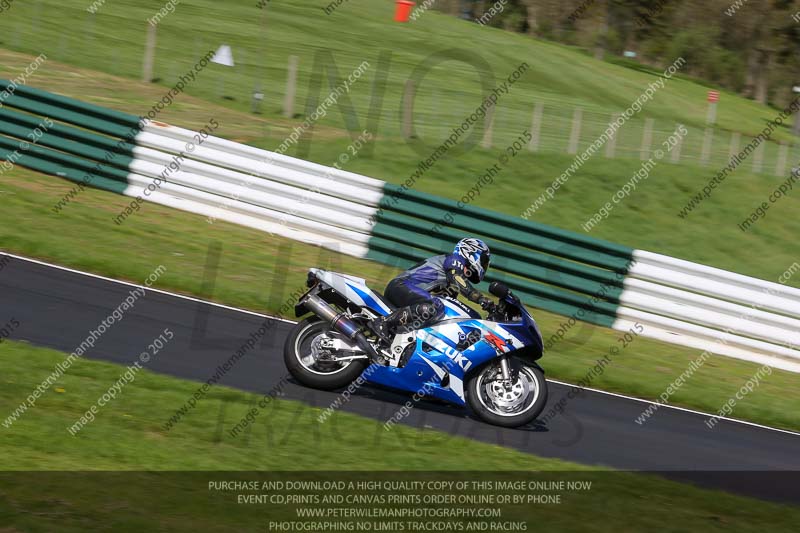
(403, 10)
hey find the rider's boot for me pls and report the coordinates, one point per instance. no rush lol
(386, 326)
(410, 318)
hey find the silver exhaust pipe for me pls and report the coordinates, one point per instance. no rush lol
(341, 323)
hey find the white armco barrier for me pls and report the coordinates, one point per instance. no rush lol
(262, 163)
(281, 195)
(672, 300)
(716, 282)
(717, 346)
(712, 309)
(273, 222)
(709, 312)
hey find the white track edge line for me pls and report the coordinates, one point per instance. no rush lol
(214, 304)
(160, 291)
(677, 408)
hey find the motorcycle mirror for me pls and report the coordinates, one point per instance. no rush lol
(499, 289)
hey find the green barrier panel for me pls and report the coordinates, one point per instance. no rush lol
(32, 160)
(542, 299)
(393, 221)
(501, 263)
(90, 168)
(540, 295)
(385, 247)
(539, 262)
(52, 139)
(67, 103)
(502, 232)
(67, 132)
(417, 200)
(88, 122)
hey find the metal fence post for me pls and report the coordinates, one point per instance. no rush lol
(758, 158)
(575, 134)
(708, 138)
(149, 54)
(734, 147)
(611, 144)
(291, 88)
(783, 151)
(487, 133)
(536, 127)
(647, 139)
(676, 150)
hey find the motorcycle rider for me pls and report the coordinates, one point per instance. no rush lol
(451, 273)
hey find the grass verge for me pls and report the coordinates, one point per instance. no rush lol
(126, 436)
(648, 219)
(262, 40)
(252, 263)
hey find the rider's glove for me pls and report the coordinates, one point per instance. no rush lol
(487, 305)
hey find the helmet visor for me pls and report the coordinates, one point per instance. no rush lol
(484, 261)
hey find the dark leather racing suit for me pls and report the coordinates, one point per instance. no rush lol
(414, 291)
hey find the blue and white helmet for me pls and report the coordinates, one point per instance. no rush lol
(477, 255)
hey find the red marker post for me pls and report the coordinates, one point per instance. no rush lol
(403, 10)
(713, 98)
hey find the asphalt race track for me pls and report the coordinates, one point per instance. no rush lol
(57, 308)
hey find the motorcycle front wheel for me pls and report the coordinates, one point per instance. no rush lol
(511, 404)
(307, 361)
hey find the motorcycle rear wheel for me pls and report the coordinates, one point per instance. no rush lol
(308, 368)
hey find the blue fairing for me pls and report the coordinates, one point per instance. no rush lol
(456, 309)
(440, 370)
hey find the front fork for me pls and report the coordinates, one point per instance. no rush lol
(505, 370)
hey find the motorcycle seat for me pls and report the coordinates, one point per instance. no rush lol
(383, 299)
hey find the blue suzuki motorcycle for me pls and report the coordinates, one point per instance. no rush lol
(489, 363)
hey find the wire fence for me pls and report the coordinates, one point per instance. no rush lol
(107, 41)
